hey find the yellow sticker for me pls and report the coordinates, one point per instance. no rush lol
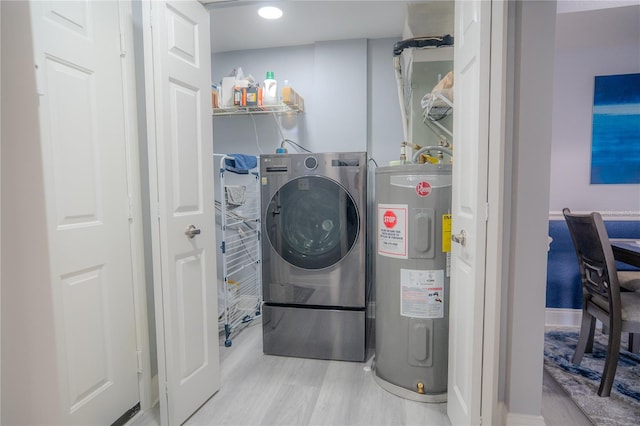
(264, 180)
(446, 233)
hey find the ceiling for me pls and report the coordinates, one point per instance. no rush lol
(235, 24)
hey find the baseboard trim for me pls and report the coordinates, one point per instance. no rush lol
(500, 414)
(557, 317)
(524, 420)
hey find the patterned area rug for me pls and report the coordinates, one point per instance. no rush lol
(582, 382)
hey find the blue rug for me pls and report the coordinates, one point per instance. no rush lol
(581, 382)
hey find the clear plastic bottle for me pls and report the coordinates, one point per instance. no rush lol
(270, 90)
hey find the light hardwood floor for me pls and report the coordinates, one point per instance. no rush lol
(557, 407)
(260, 389)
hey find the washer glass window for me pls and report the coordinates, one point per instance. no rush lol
(312, 222)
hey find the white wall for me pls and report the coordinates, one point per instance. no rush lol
(531, 140)
(350, 97)
(602, 42)
(384, 132)
(237, 134)
(337, 114)
(384, 122)
(29, 362)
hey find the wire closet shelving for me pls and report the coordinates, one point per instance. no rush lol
(239, 207)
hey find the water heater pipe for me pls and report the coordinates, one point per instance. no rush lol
(419, 152)
(403, 107)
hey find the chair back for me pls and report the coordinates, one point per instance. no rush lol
(595, 258)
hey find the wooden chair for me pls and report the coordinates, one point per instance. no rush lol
(602, 298)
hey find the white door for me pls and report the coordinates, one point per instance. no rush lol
(184, 265)
(80, 83)
(471, 129)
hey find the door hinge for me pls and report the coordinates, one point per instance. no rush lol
(486, 212)
(123, 45)
(39, 82)
(139, 356)
(130, 209)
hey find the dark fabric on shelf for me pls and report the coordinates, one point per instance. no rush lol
(240, 163)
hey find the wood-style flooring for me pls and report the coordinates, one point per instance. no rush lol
(557, 407)
(258, 389)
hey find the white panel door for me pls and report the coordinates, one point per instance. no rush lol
(471, 129)
(77, 54)
(186, 299)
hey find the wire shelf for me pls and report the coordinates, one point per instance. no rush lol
(239, 208)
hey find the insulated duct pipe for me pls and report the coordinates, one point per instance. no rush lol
(403, 107)
(417, 42)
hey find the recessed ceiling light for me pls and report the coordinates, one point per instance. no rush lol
(270, 12)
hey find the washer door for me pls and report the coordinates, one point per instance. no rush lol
(312, 222)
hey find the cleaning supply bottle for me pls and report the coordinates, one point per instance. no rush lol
(270, 90)
(287, 97)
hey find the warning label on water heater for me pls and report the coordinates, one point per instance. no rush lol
(422, 293)
(392, 230)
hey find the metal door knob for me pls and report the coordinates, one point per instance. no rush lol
(192, 231)
(460, 238)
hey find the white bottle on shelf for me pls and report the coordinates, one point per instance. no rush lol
(270, 90)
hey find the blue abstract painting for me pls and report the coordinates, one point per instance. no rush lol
(615, 138)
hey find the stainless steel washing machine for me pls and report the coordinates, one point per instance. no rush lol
(313, 254)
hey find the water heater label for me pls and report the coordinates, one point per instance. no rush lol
(392, 230)
(422, 293)
(446, 233)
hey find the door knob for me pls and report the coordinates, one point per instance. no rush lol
(460, 238)
(192, 231)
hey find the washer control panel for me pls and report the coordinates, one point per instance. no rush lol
(310, 163)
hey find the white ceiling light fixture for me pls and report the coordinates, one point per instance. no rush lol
(270, 12)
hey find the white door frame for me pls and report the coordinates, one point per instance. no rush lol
(135, 201)
(493, 411)
(153, 185)
(503, 239)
